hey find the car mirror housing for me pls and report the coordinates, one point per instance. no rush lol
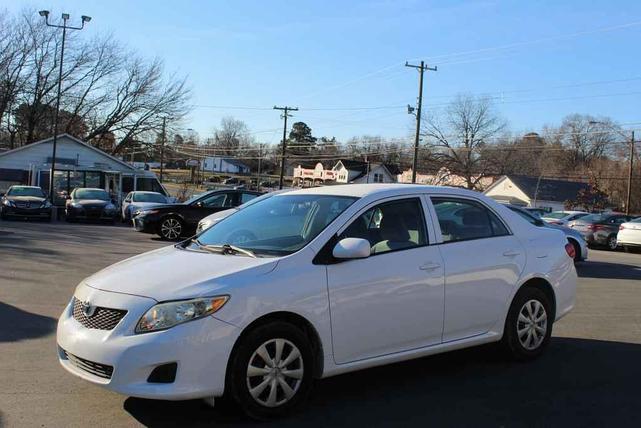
(352, 248)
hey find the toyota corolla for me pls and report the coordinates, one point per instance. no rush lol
(314, 283)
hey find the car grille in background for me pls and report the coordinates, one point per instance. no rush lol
(101, 370)
(101, 319)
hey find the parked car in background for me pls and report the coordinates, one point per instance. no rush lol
(600, 229)
(172, 221)
(562, 218)
(232, 180)
(574, 237)
(86, 203)
(25, 202)
(214, 218)
(138, 200)
(538, 212)
(629, 235)
(406, 271)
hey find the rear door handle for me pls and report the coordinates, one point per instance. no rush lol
(511, 253)
(429, 266)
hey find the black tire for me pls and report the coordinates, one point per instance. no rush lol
(511, 342)
(169, 224)
(611, 243)
(577, 250)
(238, 382)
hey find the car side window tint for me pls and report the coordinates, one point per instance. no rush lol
(462, 219)
(217, 201)
(390, 226)
(246, 197)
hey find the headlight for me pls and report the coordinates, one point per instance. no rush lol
(146, 212)
(8, 203)
(46, 204)
(110, 207)
(166, 315)
(76, 205)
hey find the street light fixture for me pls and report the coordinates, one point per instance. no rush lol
(65, 27)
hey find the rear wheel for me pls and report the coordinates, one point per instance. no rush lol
(270, 372)
(171, 228)
(528, 326)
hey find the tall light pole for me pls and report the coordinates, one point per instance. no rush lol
(421, 69)
(630, 163)
(65, 27)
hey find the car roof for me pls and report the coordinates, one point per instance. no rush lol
(145, 191)
(88, 188)
(28, 187)
(380, 189)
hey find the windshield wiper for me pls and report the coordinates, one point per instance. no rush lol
(227, 249)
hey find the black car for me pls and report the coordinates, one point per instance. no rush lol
(25, 201)
(90, 204)
(175, 220)
(600, 229)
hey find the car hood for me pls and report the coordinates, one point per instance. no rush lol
(220, 215)
(145, 205)
(173, 273)
(90, 202)
(166, 207)
(25, 198)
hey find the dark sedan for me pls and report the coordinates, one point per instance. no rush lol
(25, 201)
(90, 204)
(600, 229)
(175, 220)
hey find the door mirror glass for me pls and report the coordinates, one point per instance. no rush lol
(352, 248)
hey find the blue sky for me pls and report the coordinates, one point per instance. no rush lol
(539, 60)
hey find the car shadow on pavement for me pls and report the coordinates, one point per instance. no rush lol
(577, 382)
(16, 324)
(608, 270)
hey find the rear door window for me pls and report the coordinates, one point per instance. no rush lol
(464, 219)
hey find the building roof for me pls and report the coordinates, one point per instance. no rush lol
(75, 140)
(545, 189)
(392, 168)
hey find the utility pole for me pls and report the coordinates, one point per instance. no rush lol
(260, 158)
(421, 68)
(284, 116)
(630, 164)
(162, 146)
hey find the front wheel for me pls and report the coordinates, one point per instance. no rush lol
(271, 371)
(528, 326)
(170, 228)
(612, 242)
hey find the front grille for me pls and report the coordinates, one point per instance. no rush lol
(101, 370)
(100, 319)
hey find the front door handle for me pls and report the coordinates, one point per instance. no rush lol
(511, 253)
(429, 266)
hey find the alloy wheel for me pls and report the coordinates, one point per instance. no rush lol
(275, 372)
(171, 228)
(532, 324)
(612, 242)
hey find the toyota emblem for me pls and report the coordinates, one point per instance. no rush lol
(88, 309)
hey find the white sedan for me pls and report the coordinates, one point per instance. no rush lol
(629, 236)
(362, 275)
(138, 200)
(562, 218)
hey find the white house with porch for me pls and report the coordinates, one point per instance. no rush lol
(78, 164)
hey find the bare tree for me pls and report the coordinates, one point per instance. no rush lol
(462, 138)
(231, 135)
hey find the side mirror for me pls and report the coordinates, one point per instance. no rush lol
(352, 248)
(539, 222)
(199, 204)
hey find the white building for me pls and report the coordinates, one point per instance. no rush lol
(78, 164)
(345, 171)
(534, 192)
(221, 164)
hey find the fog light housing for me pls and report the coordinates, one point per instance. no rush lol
(165, 373)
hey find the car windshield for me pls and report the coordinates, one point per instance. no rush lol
(277, 226)
(91, 194)
(595, 218)
(635, 220)
(26, 191)
(149, 197)
(556, 214)
(261, 198)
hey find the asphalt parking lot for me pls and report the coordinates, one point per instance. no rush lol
(590, 376)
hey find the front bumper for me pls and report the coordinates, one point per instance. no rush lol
(95, 214)
(200, 348)
(26, 212)
(145, 223)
